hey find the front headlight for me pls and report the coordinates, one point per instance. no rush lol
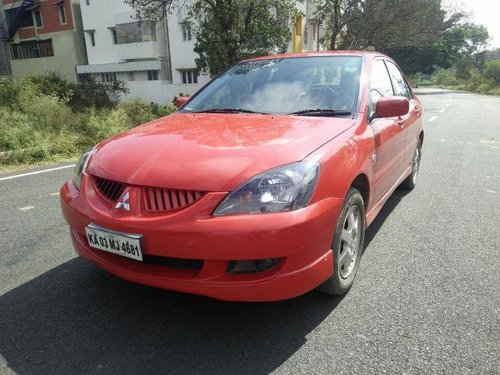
(81, 166)
(281, 189)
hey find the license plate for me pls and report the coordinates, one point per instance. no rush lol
(124, 244)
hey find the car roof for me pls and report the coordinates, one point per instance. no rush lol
(317, 54)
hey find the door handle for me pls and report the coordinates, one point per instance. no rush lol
(401, 122)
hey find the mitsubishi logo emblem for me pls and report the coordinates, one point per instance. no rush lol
(124, 202)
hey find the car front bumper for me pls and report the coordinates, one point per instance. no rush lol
(300, 239)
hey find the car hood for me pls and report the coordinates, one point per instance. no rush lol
(210, 152)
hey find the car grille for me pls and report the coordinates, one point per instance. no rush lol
(161, 200)
(156, 199)
(111, 190)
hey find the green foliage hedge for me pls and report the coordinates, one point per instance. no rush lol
(44, 117)
(487, 82)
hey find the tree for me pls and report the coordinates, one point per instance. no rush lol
(476, 38)
(381, 23)
(492, 71)
(336, 15)
(227, 31)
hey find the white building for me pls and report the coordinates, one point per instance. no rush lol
(156, 61)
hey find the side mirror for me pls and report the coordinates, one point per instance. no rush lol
(392, 106)
(179, 102)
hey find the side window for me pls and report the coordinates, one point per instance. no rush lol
(400, 86)
(380, 84)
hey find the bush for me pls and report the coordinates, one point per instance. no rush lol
(445, 77)
(97, 94)
(492, 71)
(138, 111)
(162, 110)
(43, 116)
(495, 91)
(8, 92)
(52, 84)
(16, 131)
(484, 88)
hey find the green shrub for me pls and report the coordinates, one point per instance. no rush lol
(492, 71)
(162, 110)
(52, 84)
(52, 114)
(95, 94)
(138, 111)
(445, 77)
(484, 88)
(9, 91)
(495, 91)
(17, 131)
(43, 116)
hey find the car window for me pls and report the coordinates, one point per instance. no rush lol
(400, 86)
(380, 83)
(284, 85)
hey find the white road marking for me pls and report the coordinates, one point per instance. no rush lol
(489, 142)
(443, 140)
(441, 111)
(37, 172)
(491, 191)
(432, 118)
(26, 208)
(55, 194)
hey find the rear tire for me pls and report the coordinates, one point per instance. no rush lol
(411, 181)
(347, 244)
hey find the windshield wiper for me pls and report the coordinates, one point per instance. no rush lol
(321, 112)
(228, 110)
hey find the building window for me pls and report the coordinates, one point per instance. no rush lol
(189, 76)
(84, 77)
(136, 32)
(186, 31)
(131, 76)
(91, 34)
(108, 77)
(114, 34)
(62, 13)
(32, 49)
(153, 75)
(37, 18)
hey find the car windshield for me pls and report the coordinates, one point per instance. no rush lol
(315, 86)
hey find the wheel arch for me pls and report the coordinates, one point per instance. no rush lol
(362, 184)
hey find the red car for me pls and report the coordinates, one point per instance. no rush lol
(260, 187)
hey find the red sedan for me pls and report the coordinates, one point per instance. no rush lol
(260, 187)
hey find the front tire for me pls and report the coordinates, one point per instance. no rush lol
(347, 244)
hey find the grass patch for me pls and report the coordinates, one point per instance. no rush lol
(45, 119)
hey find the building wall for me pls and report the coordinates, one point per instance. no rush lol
(67, 40)
(99, 17)
(171, 53)
(50, 20)
(64, 61)
(4, 47)
(159, 91)
(182, 54)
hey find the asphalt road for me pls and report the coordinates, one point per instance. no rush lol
(426, 300)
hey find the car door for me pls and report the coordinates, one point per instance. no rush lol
(412, 119)
(389, 133)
